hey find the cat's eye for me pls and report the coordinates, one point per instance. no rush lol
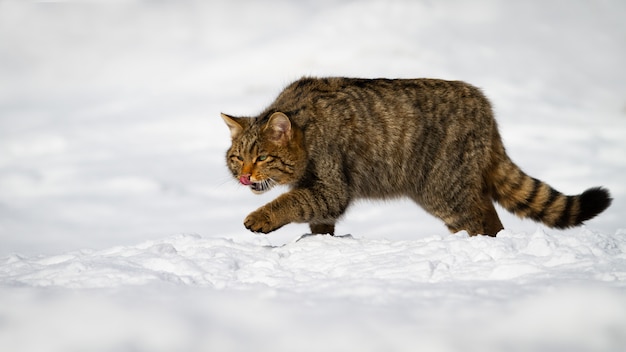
(239, 157)
(262, 158)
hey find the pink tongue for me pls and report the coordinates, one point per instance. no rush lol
(245, 180)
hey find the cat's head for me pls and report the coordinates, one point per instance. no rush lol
(265, 152)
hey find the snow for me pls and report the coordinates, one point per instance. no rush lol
(121, 230)
(186, 292)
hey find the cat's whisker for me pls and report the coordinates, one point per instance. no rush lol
(267, 184)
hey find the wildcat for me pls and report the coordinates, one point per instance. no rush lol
(334, 140)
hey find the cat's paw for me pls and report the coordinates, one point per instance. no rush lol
(260, 221)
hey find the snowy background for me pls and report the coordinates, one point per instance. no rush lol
(120, 229)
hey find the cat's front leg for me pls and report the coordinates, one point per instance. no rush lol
(261, 220)
(314, 206)
(271, 216)
(322, 229)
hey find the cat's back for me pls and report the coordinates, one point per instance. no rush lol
(308, 87)
(335, 104)
(377, 97)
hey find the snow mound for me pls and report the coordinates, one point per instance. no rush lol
(311, 261)
(514, 292)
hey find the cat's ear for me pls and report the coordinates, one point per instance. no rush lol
(278, 128)
(233, 124)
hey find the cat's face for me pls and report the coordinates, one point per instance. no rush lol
(264, 155)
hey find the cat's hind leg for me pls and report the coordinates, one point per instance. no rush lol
(480, 219)
(491, 222)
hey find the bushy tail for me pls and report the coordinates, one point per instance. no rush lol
(528, 197)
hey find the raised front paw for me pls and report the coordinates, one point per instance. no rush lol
(261, 221)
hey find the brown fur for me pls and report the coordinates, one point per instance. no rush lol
(334, 140)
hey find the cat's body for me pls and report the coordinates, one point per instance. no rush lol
(334, 140)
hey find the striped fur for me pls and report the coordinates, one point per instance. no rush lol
(528, 197)
(334, 140)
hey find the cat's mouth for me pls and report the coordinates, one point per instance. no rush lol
(262, 186)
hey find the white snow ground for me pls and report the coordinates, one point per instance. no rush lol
(120, 229)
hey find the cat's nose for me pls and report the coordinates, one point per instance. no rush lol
(245, 179)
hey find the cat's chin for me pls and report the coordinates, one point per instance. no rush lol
(261, 187)
(258, 191)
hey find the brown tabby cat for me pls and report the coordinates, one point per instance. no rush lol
(334, 140)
